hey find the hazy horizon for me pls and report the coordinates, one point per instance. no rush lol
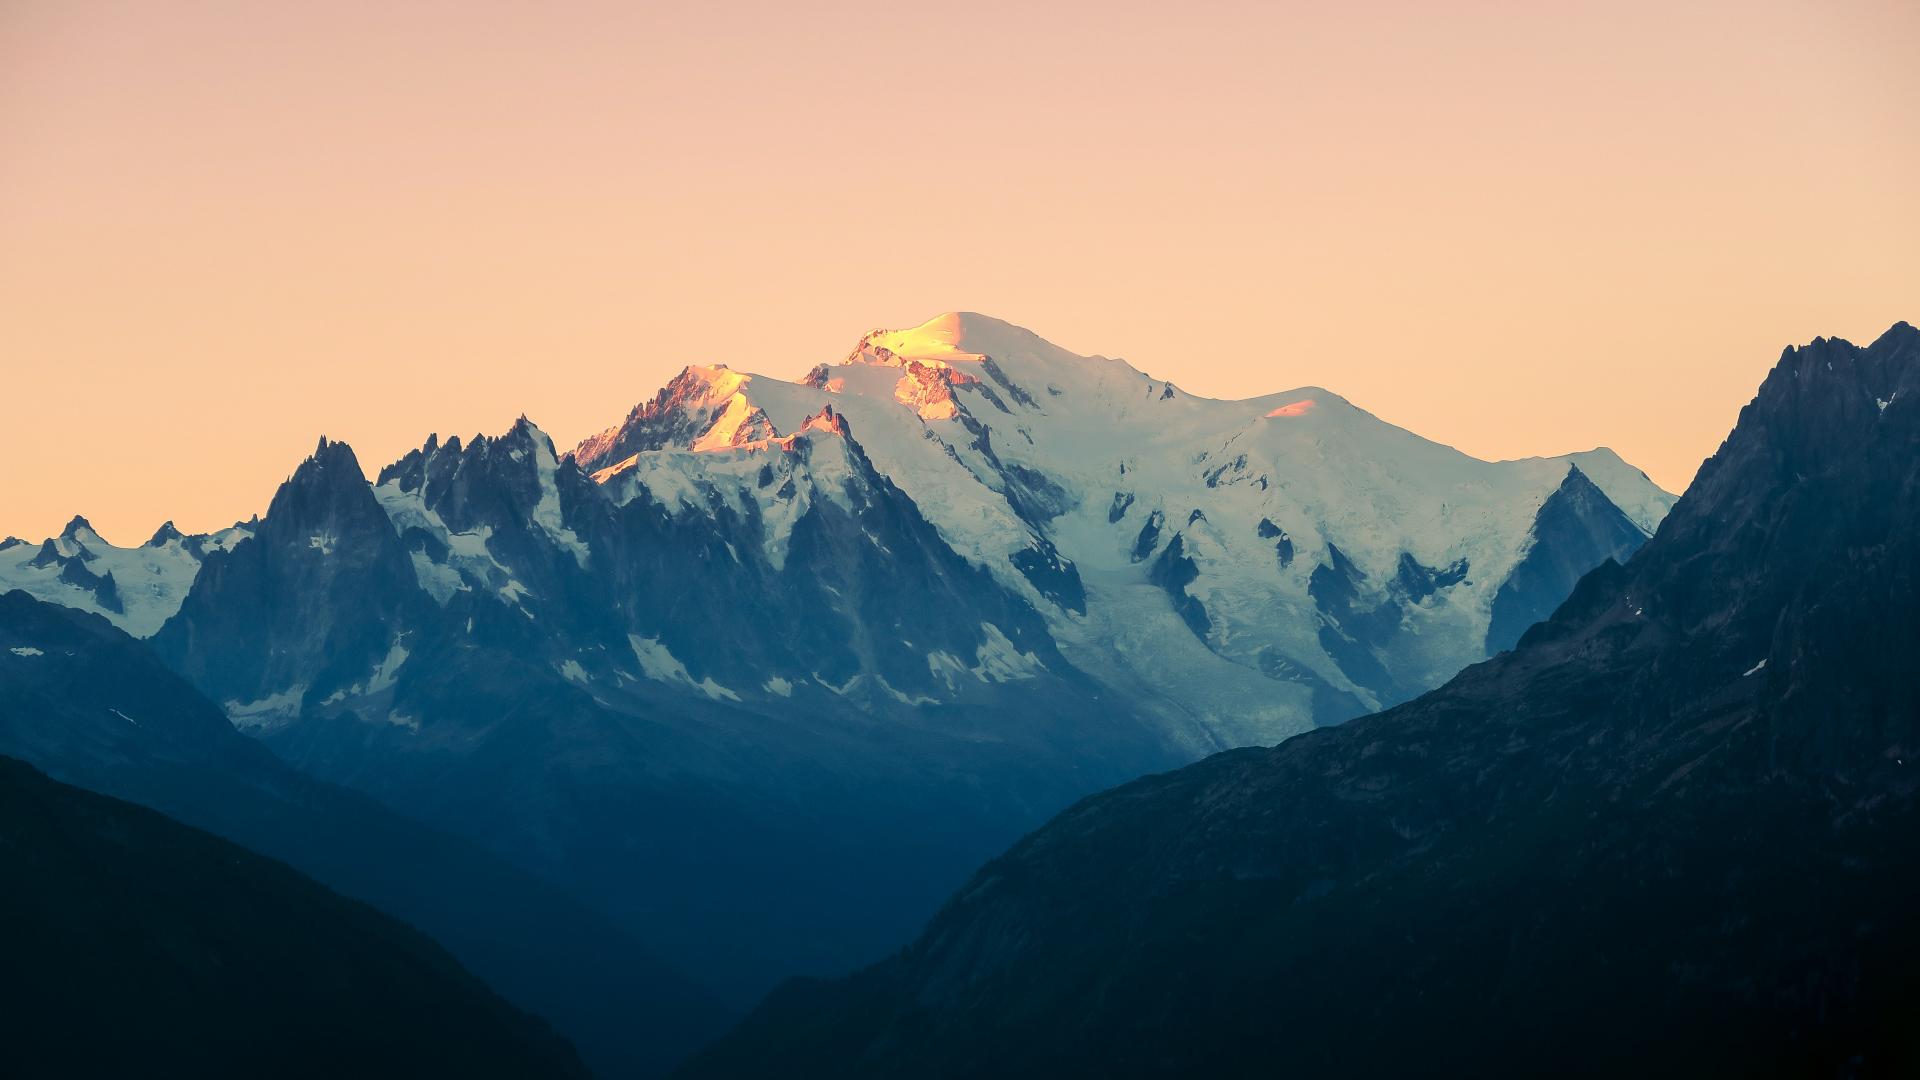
(1512, 230)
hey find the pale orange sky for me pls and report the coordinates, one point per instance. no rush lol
(228, 228)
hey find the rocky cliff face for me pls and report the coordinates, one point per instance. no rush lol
(317, 596)
(1669, 833)
(1576, 530)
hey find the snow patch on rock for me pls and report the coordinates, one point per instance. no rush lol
(469, 563)
(659, 664)
(268, 713)
(999, 660)
(546, 513)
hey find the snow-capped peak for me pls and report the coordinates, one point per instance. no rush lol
(137, 588)
(77, 539)
(955, 337)
(1027, 458)
(165, 534)
(706, 384)
(702, 408)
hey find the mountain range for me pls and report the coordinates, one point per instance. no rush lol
(836, 640)
(1171, 545)
(1669, 834)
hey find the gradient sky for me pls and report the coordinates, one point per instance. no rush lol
(228, 228)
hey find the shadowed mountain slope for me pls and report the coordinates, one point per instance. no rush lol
(93, 707)
(137, 946)
(1670, 834)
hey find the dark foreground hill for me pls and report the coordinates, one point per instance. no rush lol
(93, 707)
(136, 946)
(1671, 833)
